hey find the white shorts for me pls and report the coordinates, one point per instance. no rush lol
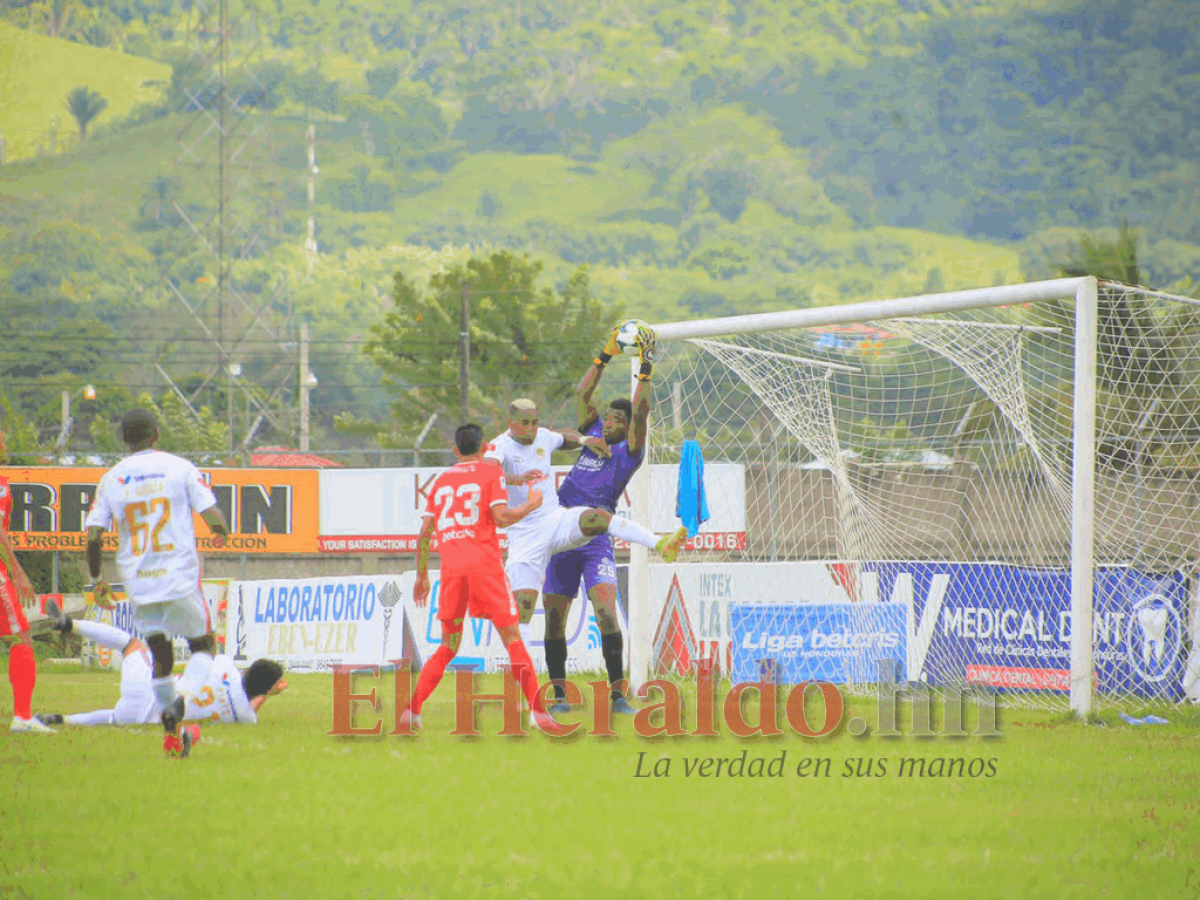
(187, 617)
(138, 705)
(529, 552)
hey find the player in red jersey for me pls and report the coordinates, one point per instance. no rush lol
(466, 504)
(15, 586)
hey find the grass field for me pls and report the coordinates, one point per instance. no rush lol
(283, 810)
(37, 72)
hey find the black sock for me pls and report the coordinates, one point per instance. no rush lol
(556, 665)
(613, 648)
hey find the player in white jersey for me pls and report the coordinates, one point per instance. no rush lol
(151, 496)
(227, 695)
(524, 451)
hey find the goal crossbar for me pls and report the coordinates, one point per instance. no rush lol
(1082, 291)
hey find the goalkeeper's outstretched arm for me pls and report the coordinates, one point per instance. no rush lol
(585, 406)
(644, 393)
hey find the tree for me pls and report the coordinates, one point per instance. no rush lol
(179, 431)
(1108, 260)
(525, 341)
(85, 105)
(1127, 332)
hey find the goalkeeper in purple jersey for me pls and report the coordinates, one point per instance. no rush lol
(597, 481)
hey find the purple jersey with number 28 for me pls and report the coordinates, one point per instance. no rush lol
(592, 482)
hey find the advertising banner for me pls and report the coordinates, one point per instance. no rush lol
(693, 603)
(121, 616)
(836, 642)
(1010, 627)
(379, 510)
(311, 624)
(268, 510)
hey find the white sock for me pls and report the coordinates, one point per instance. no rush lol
(99, 717)
(195, 673)
(627, 530)
(164, 691)
(104, 635)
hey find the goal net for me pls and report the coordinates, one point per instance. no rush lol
(994, 487)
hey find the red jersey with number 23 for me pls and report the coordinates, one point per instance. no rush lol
(460, 503)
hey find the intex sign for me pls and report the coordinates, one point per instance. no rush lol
(269, 511)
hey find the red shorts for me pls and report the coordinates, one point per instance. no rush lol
(481, 595)
(12, 617)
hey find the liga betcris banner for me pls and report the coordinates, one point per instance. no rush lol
(268, 510)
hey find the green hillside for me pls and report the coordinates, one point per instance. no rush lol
(759, 156)
(37, 72)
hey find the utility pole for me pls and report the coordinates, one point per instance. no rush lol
(222, 213)
(464, 362)
(305, 381)
(310, 245)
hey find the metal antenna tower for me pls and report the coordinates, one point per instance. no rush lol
(227, 203)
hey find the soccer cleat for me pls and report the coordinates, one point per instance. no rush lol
(173, 715)
(49, 718)
(62, 622)
(173, 746)
(621, 705)
(29, 726)
(189, 737)
(410, 719)
(560, 707)
(543, 721)
(670, 546)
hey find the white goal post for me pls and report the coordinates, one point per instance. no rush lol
(939, 451)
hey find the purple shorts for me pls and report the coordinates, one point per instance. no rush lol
(594, 561)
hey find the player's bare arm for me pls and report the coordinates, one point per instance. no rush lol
(101, 590)
(257, 702)
(585, 405)
(642, 395)
(573, 440)
(19, 578)
(424, 548)
(506, 515)
(215, 519)
(585, 408)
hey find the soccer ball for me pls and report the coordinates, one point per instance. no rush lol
(627, 336)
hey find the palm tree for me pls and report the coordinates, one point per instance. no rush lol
(1107, 260)
(85, 105)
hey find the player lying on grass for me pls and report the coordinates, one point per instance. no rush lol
(227, 695)
(152, 498)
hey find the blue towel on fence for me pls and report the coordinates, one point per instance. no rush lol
(691, 506)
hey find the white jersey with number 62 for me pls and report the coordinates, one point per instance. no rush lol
(151, 497)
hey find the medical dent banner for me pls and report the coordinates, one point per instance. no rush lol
(311, 624)
(268, 510)
(1010, 626)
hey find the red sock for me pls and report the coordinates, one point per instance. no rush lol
(522, 667)
(22, 672)
(431, 676)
